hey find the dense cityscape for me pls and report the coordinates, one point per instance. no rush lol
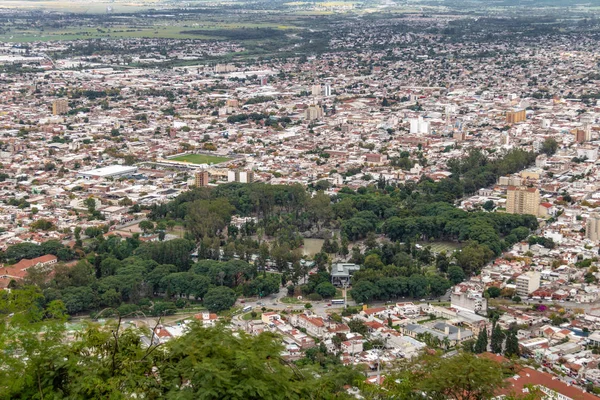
(321, 200)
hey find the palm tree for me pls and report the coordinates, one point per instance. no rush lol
(446, 342)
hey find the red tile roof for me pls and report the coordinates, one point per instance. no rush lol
(530, 377)
(375, 310)
(25, 263)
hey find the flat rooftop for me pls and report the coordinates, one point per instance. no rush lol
(109, 171)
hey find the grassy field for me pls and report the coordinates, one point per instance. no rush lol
(200, 159)
(290, 300)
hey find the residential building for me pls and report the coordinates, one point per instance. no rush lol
(201, 179)
(60, 107)
(221, 68)
(510, 181)
(315, 326)
(352, 346)
(418, 126)
(440, 330)
(527, 378)
(594, 339)
(514, 116)
(592, 227)
(468, 301)
(582, 135)
(240, 176)
(207, 318)
(528, 283)
(313, 112)
(522, 200)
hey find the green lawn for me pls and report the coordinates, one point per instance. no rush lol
(290, 300)
(200, 159)
(248, 316)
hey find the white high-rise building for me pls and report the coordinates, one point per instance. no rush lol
(419, 127)
(327, 90)
(240, 176)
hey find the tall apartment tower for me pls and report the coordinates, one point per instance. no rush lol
(240, 176)
(522, 200)
(418, 126)
(313, 112)
(583, 135)
(201, 179)
(512, 117)
(315, 90)
(60, 107)
(592, 227)
(327, 90)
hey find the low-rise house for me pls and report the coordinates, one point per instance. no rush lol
(207, 318)
(314, 326)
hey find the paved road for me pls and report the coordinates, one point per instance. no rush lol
(273, 301)
(566, 304)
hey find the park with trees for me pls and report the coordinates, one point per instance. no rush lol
(385, 227)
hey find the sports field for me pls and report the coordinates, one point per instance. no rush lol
(200, 159)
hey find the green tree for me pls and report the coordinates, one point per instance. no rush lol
(489, 205)
(43, 225)
(358, 326)
(549, 146)
(482, 342)
(512, 345)
(497, 339)
(456, 274)
(364, 291)
(78, 299)
(219, 298)
(494, 291)
(373, 261)
(473, 257)
(146, 226)
(208, 217)
(325, 289)
(442, 263)
(464, 376)
(240, 367)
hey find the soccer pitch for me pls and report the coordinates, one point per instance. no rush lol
(200, 159)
